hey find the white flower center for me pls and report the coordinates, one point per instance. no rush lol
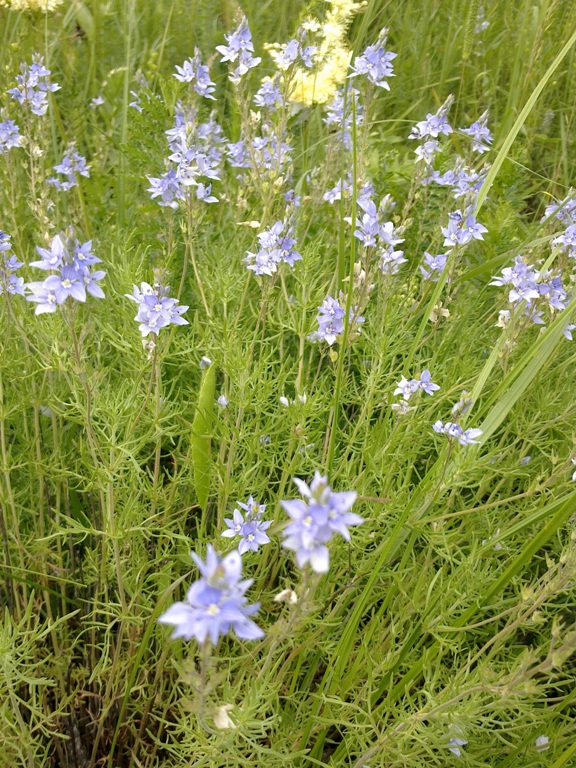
(213, 610)
(66, 283)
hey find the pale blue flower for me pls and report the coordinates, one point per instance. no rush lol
(215, 604)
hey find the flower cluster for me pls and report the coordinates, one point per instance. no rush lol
(480, 133)
(376, 63)
(330, 320)
(34, 85)
(567, 241)
(455, 431)
(290, 53)
(344, 188)
(196, 154)
(533, 287)
(435, 124)
(9, 136)
(9, 281)
(433, 266)
(564, 211)
(371, 232)
(72, 165)
(239, 51)
(316, 519)
(275, 248)
(216, 603)
(407, 387)
(461, 229)
(264, 153)
(155, 309)
(193, 71)
(269, 95)
(251, 528)
(70, 262)
(339, 112)
(465, 182)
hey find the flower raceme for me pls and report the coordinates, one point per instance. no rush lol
(250, 527)
(215, 603)
(69, 261)
(155, 309)
(315, 519)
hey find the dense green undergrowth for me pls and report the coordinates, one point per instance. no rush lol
(448, 623)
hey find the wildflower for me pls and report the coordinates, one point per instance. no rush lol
(223, 401)
(316, 519)
(193, 71)
(72, 165)
(97, 101)
(567, 241)
(427, 151)
(250, 528)
(376, 63)
(268, 95)
(9, 282)
(461, 229)
(480, 133)
(34, 85)
(275, 248)
(9, 136)
(240, 50)
(568, 331)
(331, 320)
(574, 473)
(453, 430)
(70, 262)
(564, 211)
(434, 125)
(168, 187)
(155, 309)
(542, 743)
(340, 114)
(456, 742)
(215, 603)
(205, 362)
(435, 266)
(407, 387)
(425, 383)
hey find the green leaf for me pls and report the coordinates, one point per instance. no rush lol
(202, 427)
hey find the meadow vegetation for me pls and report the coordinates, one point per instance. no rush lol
(244, 244)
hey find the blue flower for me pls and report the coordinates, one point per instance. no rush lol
(193, 71)
(250, 528)
(316, 519)
(452, 430)
(434, 125)
(34, 85)
(376, 63)
(268, 95)
(480, 133)
(216, 603)
(155, 309)
(9, 136)
(239, 50)
(275, 248)
(435, 266)
(9, 282)
(70, 262)
(461, 229)
(72, 164)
